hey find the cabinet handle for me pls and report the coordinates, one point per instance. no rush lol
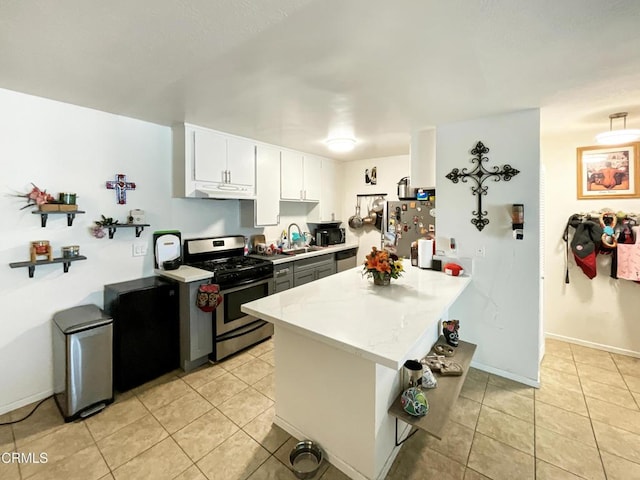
(301, 196)
(229, 175)
(283, 272)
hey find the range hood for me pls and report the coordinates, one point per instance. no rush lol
(224, 191)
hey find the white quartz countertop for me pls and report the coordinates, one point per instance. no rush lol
(185, 274)
(283, 258)
(347, 311)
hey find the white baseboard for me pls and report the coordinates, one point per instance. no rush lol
(597, 346)
(505, 374)
(24, 401)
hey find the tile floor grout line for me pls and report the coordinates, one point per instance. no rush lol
(565, 409)
(535, 443)
(536, 427)
(475, 427)
(593, 431)
(98, 448)
(193, 420)
(193, 463)
(624, 380)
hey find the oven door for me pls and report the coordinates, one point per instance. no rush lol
(228, 316)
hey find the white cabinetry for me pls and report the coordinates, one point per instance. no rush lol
(267, 202)
(329, 207)
(300, 177)
(212, 164)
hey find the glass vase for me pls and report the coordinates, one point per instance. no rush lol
(381, 278)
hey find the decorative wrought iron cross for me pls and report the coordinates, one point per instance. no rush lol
(479, 174)
(121, 186)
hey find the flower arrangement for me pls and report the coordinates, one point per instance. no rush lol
(98, 229)
(382, 266)
(36, 197)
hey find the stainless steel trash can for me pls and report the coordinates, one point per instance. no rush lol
(82, 361)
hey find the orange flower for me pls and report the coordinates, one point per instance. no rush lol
(379, 262)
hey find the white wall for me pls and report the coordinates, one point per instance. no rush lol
(64, 148)
(389, 171)
(602, 312)
(500, 310)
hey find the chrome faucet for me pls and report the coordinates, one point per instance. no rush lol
(291, 242)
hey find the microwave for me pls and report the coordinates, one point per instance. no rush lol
(330, 236)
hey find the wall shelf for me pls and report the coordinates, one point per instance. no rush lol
(32, 265)
(71, 215)
(441, 399)
(139, 228)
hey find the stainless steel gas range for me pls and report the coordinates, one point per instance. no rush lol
(242, 279)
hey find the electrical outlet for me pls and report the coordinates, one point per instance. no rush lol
(480, 251)
(139, 249)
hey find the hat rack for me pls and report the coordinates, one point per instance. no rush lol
(615, 229)
(597, 214)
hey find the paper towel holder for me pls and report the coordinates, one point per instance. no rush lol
(517, 220)
(425, 252)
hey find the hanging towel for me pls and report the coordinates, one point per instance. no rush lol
(208, 297)
(629, 260)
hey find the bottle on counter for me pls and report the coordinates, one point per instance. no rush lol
(284, 243)
(414, 254)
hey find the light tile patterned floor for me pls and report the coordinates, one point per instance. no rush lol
(583, 423)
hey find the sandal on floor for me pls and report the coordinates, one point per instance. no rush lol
(442, 349)
(437, 363)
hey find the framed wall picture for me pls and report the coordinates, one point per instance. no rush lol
(608, 171)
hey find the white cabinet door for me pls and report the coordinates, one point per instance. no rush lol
(312, 175)
(241, 155)
(210, 156)
(267, 202)
(291, 175)
(331, 186)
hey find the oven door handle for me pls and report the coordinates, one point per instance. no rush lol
(243, 331)
(243, 285)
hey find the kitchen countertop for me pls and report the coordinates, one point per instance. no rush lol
(348, 311)
(284, 258)
(185, 274)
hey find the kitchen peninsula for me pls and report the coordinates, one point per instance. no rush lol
(340, 343)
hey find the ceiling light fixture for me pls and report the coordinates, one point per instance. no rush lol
(615, 137)
(341, 144)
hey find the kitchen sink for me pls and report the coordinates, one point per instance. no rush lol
(297, 251)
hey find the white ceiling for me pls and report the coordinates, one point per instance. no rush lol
(293, 72)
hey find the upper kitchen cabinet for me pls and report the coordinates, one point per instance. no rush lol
(267, 203)
(329, 207)
(300, 177)
(210, 164)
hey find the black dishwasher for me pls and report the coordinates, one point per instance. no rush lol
(146, 329)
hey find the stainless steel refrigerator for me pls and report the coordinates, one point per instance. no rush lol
(409, 220)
